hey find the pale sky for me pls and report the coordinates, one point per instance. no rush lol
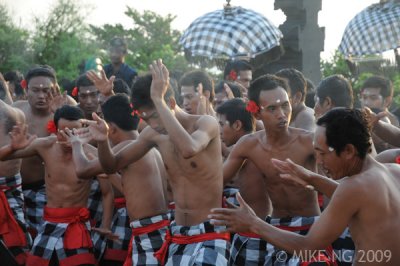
(334, 16)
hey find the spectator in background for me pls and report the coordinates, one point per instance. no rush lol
(239, 71)
(4, 91)
(118, 50)
(14, 79)
(224, 91)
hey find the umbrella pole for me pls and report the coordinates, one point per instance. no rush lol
(397, 58)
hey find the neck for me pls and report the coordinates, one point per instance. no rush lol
(295, 111)
(277, 138)
(117, 65)
(124, 136)
(44, 112)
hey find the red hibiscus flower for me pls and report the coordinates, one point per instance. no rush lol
(51, 127)
(23, 84)
(74, 91)
(398, 159)
(252, 107)
(233, 75)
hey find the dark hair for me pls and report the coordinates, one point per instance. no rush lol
(118, 110)
(15, 77)
(83, 81)
(119, 42)
(235, 88)
(265, 83)
(235, 109)
(338, 88)
(41, 71)
(70, 113)
(384, 84)
(195, 77)
(347, 126)
(237, 65)
(296, 81)
(120, 86)
(141, 92)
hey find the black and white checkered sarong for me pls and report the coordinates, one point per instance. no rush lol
(210, 252)
(35, 200)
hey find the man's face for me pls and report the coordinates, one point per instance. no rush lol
(320, 107)
(190, 99)
(244, 78)
(88, 98)
(227, 132)
(331, 164)
(63, 124)
(117, 55)
(371, 98)
(275, 110)
(152, 118)
(39, 93)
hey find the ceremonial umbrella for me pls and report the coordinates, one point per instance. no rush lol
(230, 33)
(374, 30)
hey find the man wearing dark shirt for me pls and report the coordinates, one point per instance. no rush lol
(118, 68)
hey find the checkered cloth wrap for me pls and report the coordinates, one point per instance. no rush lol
(13, 192)
(244, 33)
(344, 249)
(211, 252)
(94, 203)
(375, 29)
(274, 255)
(111, 250)
(35, 199)
(247, 251)
(229, 194)
(50, 239)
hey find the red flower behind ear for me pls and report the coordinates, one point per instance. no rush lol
(252, 107)
(74, 91)
(398, 159)
(23, 84)
(51, 127)
(233, 75)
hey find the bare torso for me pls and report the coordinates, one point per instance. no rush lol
(63, 188)
(288, 200)
(252, 188)
(32, 168)
(143, 186)
(8, 117)
(196, 182)
(375, 228)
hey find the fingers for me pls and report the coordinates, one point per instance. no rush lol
(95, 117)
(85, 122)
(228, 91)
(230, 205)
(240, 200)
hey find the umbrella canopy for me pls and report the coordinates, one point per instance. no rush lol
(374, 30)
(229, 33)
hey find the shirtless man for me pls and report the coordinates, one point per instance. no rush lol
(367, 199)
(17, 240)
(142, 186)
(41, 86)
(63, 235)
(235, 122)
(292, 206)
(191, 151)
(302, 116)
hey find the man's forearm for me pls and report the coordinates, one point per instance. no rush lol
(5, 151)
(106, 157)
(388, 133)
(324, 184)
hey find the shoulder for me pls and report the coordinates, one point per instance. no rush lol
(130, 70)
(20, 104)
(251, 139)
(302, 134)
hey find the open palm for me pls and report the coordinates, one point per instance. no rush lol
(97, 128)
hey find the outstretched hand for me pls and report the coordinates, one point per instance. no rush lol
(294, 172)
(236, 219)
(75, 135)
(103, 84)
(160, 82)
(107, 233)
(97, 128)
(19, 137)
(58, 100)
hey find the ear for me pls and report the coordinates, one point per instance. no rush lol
(387, 101)
(328, 102)
(349, 152)
(297, 97)
(237, 125)
(172, 103)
